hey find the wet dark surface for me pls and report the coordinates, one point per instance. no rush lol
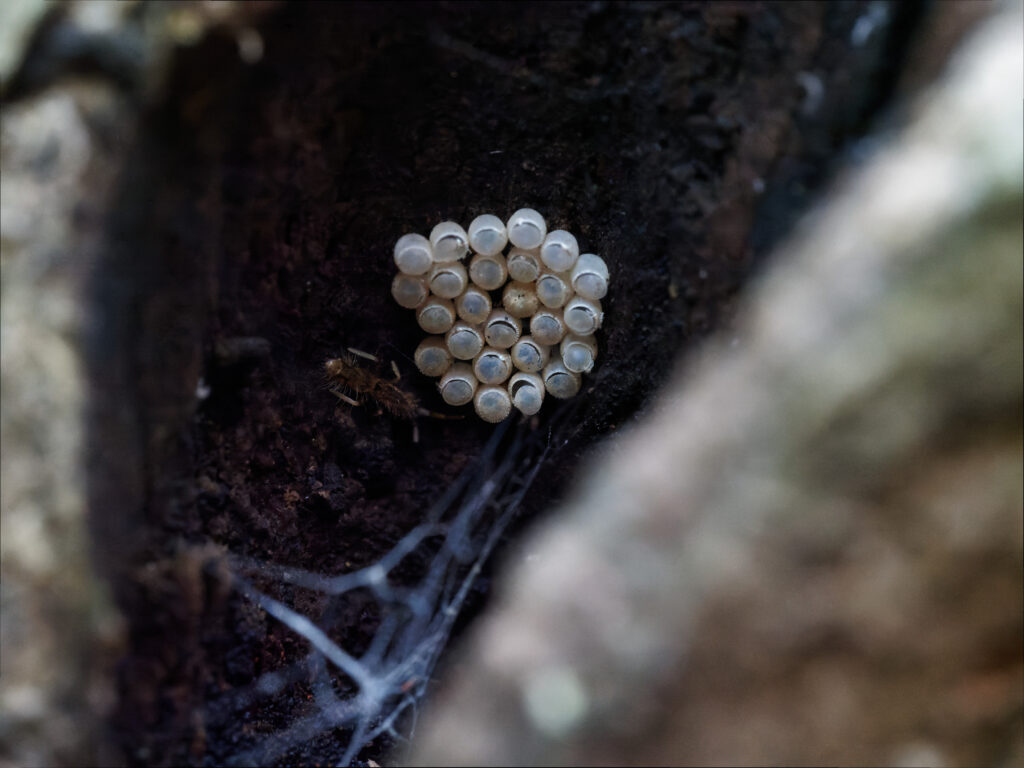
(254, 242)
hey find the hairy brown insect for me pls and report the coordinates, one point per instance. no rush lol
(345, 375)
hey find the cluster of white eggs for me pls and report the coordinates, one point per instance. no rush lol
(510, 327)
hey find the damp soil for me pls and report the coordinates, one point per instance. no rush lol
(252, 242)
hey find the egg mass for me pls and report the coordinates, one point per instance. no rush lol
(513, 324)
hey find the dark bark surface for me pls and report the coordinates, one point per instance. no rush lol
(252, 241)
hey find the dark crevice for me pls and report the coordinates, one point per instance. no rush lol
(262, 203)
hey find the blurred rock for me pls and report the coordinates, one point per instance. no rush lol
(56, 620)
(69, 113)
(18, 20)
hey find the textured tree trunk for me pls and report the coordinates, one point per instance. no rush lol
(199, 205)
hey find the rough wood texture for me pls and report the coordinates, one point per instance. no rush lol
(267, 201)
(811, 552)
(255, 163)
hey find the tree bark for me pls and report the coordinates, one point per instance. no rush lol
(200, 201)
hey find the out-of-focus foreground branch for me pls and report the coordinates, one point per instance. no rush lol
(74, 80)
(812, 551)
